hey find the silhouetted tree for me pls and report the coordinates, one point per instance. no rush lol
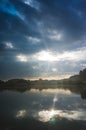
(82, 75)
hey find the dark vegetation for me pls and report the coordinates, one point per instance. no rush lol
(76, 83)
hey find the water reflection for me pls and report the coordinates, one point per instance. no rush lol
(47, 115)
(44, 106)
(21, 114)
(51, 91)
(52, 114)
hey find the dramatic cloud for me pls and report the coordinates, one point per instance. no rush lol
(42, 38)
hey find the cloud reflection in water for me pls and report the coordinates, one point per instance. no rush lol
(52, 114)
(52, 91)
(21, 114)
(47, 115)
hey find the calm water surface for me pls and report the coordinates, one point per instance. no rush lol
(42, 110)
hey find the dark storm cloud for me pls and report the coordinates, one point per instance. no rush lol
(14, 69)
(67, 17)
(12, 27)
(64, 15)
(15, 28)
(30, 26)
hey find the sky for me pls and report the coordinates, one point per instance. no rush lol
(42, 38)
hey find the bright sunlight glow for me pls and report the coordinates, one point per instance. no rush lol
(22, 58)
(46, 56)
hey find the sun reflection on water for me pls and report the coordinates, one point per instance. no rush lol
(49, 115)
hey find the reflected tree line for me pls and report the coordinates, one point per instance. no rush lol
(76, 83)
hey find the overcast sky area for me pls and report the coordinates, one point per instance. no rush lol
(42, 38)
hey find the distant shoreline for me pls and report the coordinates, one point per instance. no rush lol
(76, 83)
